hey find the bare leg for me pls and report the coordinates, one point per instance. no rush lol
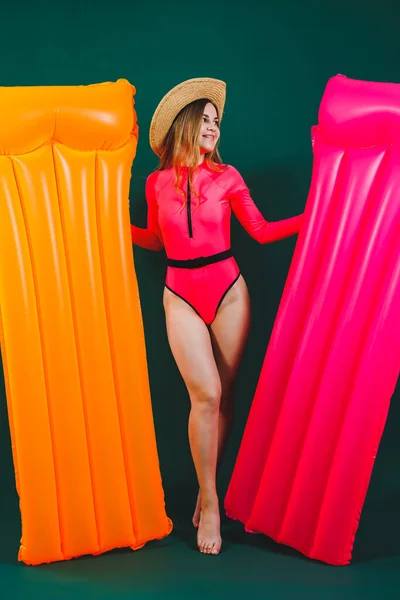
(191, 347)
(229, 333)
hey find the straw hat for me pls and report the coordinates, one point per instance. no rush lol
(179, 97)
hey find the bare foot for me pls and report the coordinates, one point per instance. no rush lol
(197, 512)
(208, 537)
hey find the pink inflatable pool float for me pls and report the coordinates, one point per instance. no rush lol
(333, 359)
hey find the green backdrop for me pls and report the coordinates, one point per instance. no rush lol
(276, 57)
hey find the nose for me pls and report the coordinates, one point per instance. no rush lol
(211, 128)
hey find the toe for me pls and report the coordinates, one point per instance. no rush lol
(216, 549)
(196, 520)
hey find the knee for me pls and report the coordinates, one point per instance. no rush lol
(226, 407)
(228, 390)
(207, 396)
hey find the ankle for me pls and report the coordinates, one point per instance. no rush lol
(209, 501)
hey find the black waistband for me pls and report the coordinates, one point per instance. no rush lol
(201, 261)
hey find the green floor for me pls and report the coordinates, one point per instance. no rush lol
(249, 565)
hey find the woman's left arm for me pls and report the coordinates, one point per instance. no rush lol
(253, 221)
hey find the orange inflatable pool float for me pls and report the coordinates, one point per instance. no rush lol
(72, 342)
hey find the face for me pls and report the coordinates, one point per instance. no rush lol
(209, 132)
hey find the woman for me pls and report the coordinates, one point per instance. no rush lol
(206, 302)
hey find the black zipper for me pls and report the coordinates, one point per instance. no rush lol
(189, 212)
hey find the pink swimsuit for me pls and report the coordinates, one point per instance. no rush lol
(196, 237)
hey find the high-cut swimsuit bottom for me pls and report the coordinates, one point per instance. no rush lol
(203, 282)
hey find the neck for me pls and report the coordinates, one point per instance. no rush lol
(201, 161)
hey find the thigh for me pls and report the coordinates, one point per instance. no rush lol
(229, 332)
(190, 343)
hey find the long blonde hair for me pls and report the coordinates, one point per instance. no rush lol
(181, 145)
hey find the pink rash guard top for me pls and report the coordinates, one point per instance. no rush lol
(194, 227)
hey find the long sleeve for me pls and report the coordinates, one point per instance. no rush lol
(253, 221)
(149, 238)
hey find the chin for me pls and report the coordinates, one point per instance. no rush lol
(207, 149)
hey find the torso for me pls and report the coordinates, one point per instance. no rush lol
(202, 226)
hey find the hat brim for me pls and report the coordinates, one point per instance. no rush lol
(179, 97)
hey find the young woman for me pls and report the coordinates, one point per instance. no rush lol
(190, 199)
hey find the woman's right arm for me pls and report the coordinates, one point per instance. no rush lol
(149, 238)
